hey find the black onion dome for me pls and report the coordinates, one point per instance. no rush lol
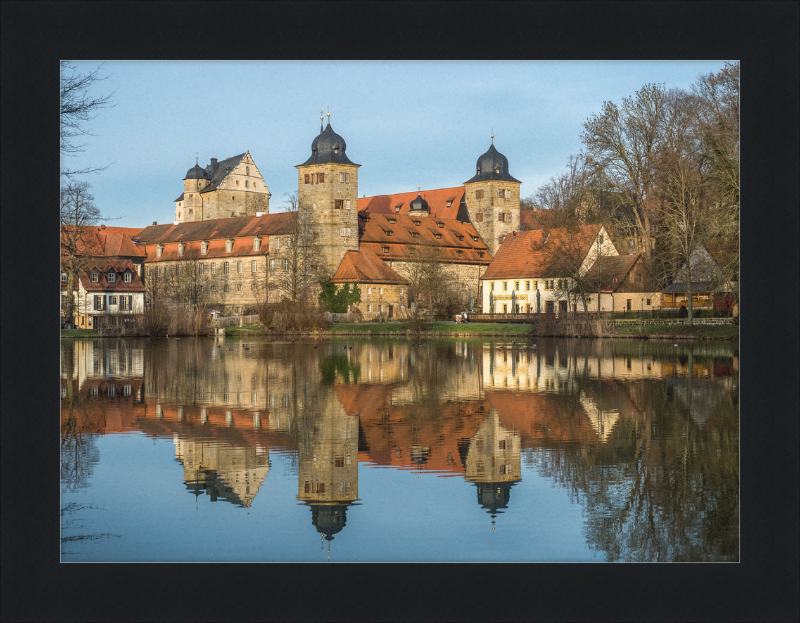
(197, 173)
(419, 204)
(494, 495)
(328, 520)
(492, 166)
(328, 147)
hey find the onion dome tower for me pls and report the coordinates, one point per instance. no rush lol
(196, 179)
(327, 188)
(419, 207)
(493, 198)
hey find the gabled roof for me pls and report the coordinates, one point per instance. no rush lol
(457, 242)
(220, 172)
(437, 202)
(105, 266)
(534, 253)
(267, 224)
(108, 242)
(610, 271)
(365, 267)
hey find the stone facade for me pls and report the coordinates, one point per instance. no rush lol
(386, 301)
(464, 277)
(486, 207)
(333, 202)
(242, 191)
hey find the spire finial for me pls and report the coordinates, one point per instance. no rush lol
(196, 157)
(329, 115)
(321, 117)
(419, 192)
(492, 136)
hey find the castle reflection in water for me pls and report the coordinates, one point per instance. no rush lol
(465, 409)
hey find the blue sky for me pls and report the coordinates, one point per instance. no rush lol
(409, 124)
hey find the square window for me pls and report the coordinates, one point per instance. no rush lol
(338, 204)
(478, 218)
(112, 277)
(225, 267)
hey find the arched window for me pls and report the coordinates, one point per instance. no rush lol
(246, 183)
(247, 170)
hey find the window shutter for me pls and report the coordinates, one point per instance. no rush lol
(130, 301)
(321, 178)
(307, 178)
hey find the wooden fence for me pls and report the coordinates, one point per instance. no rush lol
(234, 321)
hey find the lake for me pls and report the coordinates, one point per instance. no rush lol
(392, 450)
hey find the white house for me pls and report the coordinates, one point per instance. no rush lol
(533, 270)
(108, 292)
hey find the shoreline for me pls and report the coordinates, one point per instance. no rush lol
(697, 333)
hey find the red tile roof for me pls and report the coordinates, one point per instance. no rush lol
(239, 226)
(108, 242)
(459, 242)
(437, 202)
(242, 247)
(534, 253)
(365, 267)
(104, 266)
(610, 272)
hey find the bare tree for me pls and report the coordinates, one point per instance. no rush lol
(570, 195)
(79, 105)
(78, 241)
(623, 144)
(303, 267)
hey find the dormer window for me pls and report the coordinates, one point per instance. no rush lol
(459, 253)
(95, 276)
(475, 238)
(127, 277)
(438, 235)
(385, 249)
(159, 250)
(63, 277)
(112, 276)
(480, 253)
(181, 247)
(449, 202)
(228, 246)
(204, 247)
(414, 234)
(397, 207)
(417, 223)
(392, 221)
(387, 232)
(461, 237)
(440, 224)
(256, 243)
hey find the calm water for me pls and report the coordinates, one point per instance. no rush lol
(387, 450)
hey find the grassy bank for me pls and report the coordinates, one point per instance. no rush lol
(474, 330)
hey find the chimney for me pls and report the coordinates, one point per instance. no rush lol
(213, 166)
(103, 226)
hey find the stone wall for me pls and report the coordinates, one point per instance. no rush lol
(336, 230)
(484, 213)
(238, 289)
(243, 192)
(464, 277)
(376, 300)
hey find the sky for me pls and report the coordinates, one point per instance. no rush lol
(407, 123)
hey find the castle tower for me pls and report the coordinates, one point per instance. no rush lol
(189, 206)
(493, 199)
(327, 187)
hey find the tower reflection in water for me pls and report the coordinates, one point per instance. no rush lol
(328, 466)
(494, 464)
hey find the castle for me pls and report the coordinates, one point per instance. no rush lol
(242, 255)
